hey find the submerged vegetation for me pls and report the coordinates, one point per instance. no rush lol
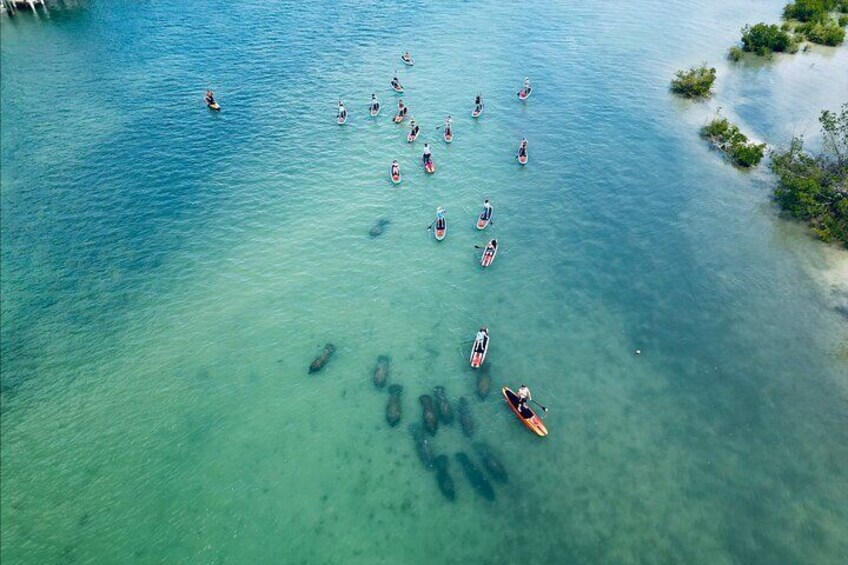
(694, 83)
(816, 21)
(727, 138)
(814, 188)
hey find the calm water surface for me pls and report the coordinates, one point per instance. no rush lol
(168, 274)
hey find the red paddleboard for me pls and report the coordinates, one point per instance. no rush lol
(522, 159)
(524, 94)
(395, 175)
(430, 167)
(526, 415)
(412, 137)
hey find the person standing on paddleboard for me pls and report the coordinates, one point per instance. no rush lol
(522, 149)
(480, 340)
(487, 210)
(523, 397)
(427, 154)
(374, 102)
(478, 102)
(526, 84)
(440, 218)
(342, 111)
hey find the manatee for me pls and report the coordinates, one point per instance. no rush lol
(381, 371)
(484, 382)
(428, 414)
(379, 228)
(476, 477)
(491, 463)
(422, 445)
(443, 477)
(465, 418)
(322, 359)
(393, 407)
(443, 407)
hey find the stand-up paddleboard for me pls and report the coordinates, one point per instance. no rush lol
(479, 350)
(526, 414)
(408, 62)
(522, 159)
(342, 119)
(214, 106)
(375, 109)
(489, 253)
(395, 174)
(397, 87)
(413, 135)
(429, 167)
(401, 115)
(482, 221)
(525, 93)
(448, 135)
(475, 113)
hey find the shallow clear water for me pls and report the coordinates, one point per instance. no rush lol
(168, 274)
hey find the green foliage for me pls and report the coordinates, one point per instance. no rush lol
(843, 21)
(809, 10)
(695, 82)
(826, 32)
(735, 53)
(815, 188)
(762, 39)
(733, 143)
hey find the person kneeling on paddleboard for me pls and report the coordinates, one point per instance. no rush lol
(427, 155)
(210, 97)
(523, 398)
(478, 102)
(414, 128)
(522, 150)
(374, 102)
(526, 85)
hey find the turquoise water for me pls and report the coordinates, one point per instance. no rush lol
(168, 275)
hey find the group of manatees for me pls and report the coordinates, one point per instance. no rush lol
(436, 409)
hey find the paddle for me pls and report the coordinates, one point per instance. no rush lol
(539, 405)
(431, 225)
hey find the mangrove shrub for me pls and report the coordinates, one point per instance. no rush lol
(762, 39)
(814, 188)
(812, 10)
(733, 143)
(695, 82)
(824, 32)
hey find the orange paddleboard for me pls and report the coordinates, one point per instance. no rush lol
(527, 415)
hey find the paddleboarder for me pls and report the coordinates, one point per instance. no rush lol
(523, 398)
